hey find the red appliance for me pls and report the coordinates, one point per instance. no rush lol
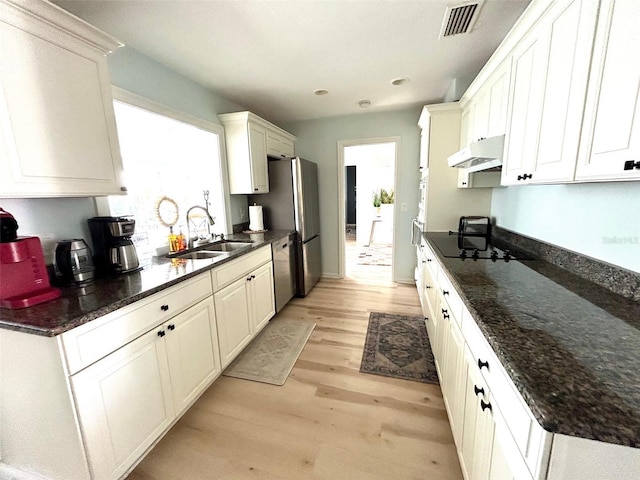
(24, 280)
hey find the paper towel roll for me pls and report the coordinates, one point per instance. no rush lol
(256, 222)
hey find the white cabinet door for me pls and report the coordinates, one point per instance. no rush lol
(192, 351)
(287, 147)
(454, 371)
(550, 69)
(498, 96)
(611, 132)
(528, 62)
(258, 154)
(466, 120)
(499, 468)
(569, 34)
(57, 127)
(278, 145)
(261, 297)
(124, 404)
(437, 343)
(233, 313)
(474, 389)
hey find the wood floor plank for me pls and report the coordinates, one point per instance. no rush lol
(328, 421)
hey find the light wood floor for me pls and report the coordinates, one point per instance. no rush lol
(328, 421)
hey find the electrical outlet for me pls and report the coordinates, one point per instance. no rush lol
(243, 214)
(403, 207)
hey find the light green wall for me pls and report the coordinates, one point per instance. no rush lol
(317, 140)
(599, 220)
(133, 71)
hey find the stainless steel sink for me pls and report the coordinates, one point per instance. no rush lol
(200, 255)
(227, 246)
(213, 250)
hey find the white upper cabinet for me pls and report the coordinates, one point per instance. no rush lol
(279, 145)
(249, 140)
(498, 99)
(57, 127)
(550, 71)
(611, 131)
(485, 115)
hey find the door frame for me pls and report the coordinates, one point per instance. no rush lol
(341, 196)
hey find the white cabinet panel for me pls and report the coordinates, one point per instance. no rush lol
(279, 145)
(192, 351)
(498, 85)
(57, 127)
(454, 371)
(526, 100)
(124, 404)
(258, 159)
(570, 36)
(234, 320)
(261, 296)
(611, 132)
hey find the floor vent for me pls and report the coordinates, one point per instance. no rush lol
(460, 18)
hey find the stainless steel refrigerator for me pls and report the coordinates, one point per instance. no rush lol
(292, 204)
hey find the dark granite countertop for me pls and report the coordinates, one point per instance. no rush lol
(570, 346)
(79, 305)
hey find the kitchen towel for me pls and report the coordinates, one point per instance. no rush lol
(256, 222)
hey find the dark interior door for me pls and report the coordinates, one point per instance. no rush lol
(351, 195)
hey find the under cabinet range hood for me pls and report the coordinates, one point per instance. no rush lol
(481, 155)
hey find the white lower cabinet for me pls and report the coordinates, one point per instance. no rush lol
(89, 404)
(234, 325)
(245, 302)
(452, 372)
(126, 400)
(192, 351)
(481, 453)
(491, 445)
(124, 403)
(261, 296)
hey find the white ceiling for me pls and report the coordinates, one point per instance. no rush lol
(269, 56)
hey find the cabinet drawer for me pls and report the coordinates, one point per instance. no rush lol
(92, 341)
(229, 272)
(430, 258)
(451, 299)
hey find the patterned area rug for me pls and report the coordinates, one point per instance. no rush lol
(398, 346)
(375, 255)
(270, 357)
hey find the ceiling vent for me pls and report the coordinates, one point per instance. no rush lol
(460, 18)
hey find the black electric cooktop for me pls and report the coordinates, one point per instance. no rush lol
(472, 247)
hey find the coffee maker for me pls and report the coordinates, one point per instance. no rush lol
(114, 252)
(24, 280)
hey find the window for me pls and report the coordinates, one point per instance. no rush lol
(165, 157)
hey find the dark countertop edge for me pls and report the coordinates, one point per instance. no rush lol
(540, 413)
(120, 303)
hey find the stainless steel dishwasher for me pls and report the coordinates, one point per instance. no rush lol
(284, 269)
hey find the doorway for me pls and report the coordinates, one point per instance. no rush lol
(368, 171)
